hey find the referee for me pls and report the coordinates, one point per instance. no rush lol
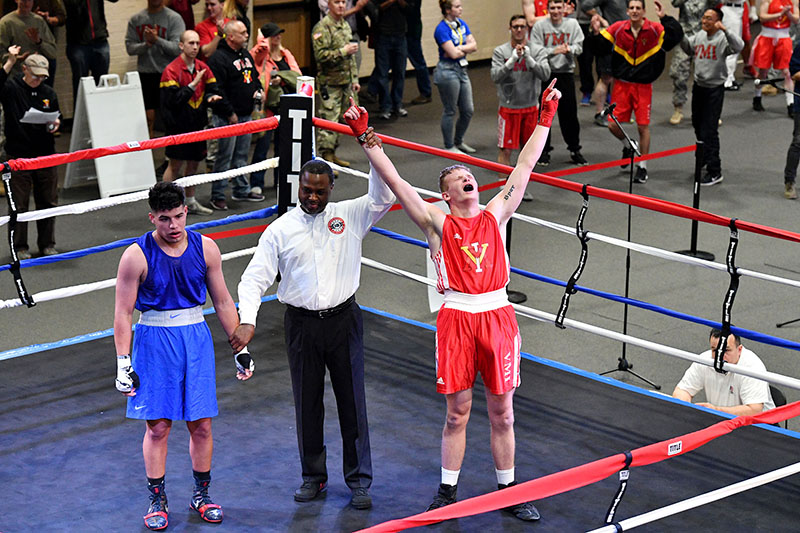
(316, 247)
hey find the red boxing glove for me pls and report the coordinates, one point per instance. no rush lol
(547, 111)
(359, 125)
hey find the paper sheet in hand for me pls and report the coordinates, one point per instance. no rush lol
(34, 116)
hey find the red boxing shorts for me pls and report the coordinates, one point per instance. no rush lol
(467, 343)
(636, 97)
(772, 53)
(515, 126)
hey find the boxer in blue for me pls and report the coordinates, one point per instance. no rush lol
(171, 374)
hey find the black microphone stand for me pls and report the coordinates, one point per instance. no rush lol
(623, 364)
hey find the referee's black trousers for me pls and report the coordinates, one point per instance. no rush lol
(335, 342)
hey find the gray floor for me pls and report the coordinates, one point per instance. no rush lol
(753, 152)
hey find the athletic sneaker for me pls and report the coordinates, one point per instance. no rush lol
(249, 197)
(401, 112)
(384, 115)
(157, 516)
(626, 154)
(467, 149)
(577, 158)
(600, 121)
(733, 86)
(707, 180)
(257, 190)
(201, 502)
(640, 176)
(544, 159)
(454, 150)
(676, 117)
(445, 496)
(524, 511)
(789, 192)
(586, 101)
(47, 251)
(24, 254)
(196, 209)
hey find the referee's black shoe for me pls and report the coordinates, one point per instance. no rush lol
(309, 490)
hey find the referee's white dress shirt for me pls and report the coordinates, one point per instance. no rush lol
(318, 256)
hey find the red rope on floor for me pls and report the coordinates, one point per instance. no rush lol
(653, 204)
(586, 474)
(137, 146)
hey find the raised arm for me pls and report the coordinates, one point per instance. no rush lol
(428, 217)
(508, 199)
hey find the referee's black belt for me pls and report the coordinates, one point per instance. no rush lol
(324, 313)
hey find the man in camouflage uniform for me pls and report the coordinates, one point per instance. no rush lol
(337, 74)
(689, 14)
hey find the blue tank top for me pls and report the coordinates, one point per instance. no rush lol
(172, 282)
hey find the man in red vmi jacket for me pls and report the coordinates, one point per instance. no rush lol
(639, 49)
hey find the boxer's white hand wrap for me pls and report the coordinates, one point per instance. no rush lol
(244, 362)
(127, 379)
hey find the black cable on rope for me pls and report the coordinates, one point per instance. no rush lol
(730, 295)
(581, 234)
(624, 475)
(23, 294)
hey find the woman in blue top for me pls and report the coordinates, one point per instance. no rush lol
(455, 41)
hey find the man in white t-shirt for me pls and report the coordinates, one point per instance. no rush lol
(732, 393)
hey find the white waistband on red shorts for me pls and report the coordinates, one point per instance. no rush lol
(173, 317)
(475, 303)
(774, 33)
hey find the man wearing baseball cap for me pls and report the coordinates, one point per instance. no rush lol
(18, 94)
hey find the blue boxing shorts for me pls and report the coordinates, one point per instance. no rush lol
(173, 354)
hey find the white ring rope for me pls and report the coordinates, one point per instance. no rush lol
(702, 499)
(95, 205)
(542, 316)
(641, 248)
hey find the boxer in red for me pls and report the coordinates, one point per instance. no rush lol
(477, 330)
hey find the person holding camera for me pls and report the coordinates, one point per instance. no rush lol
(337, 74)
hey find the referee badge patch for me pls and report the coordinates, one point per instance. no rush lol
(336, 225)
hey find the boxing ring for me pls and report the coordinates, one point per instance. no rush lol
(63, 424)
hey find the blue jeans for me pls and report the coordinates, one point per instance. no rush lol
(414, 48)
(390, 53)
(259, 155)
(455, 90)
(86, 58)
(231, 153)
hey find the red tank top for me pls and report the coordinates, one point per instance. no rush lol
(472, 258)
(774, 7)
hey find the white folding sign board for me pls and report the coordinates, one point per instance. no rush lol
(108, 114)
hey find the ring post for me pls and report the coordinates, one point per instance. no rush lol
(296, 146)
(698, 170)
